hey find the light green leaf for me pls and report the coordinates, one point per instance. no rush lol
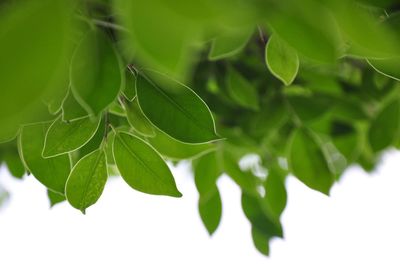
(176, 150)
(229, 43)
(64, 137)
(142, 167)
(52, 172)
(385, 128)
(281, 59)
(210, 209)
(137, 119)
(175, 109)
(308, 163)
(241, 90)
(96, 72)
(46, 26)
(55, 198)
(86, 182)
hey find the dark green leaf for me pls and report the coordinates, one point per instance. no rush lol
(96, 72)
(175, 109)
(130, 81)
(241, 90)
(210, 209)
(260, 241)
(142, 167)
(52, 172)
(308, 163)
(86, 182)
(14, 164)
(275, 192)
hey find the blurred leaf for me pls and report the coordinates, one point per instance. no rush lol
(64, 137)
(308, 108)
(176, 150)
(385, 128)
(275, 192)
(96, 72)
(258, 218)
(137, 119)
(142, 167)
(241, 90)
(281, 59)
(388, 67)
(46, 26)
(52, 172)
(86, 182)
(130, 81)
(207, 169)
(308, 163)
(55, 198)
(210, 209)
(229, 43)
(260, 241)
(175, 109)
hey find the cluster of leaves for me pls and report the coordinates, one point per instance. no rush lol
(96, 88)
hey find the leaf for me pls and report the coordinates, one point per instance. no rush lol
(175, 109)
(388, 67)
(229, 43)
(55, 198)
(309, 108)
(96, 72)
(281, 59)
(275, 192)
(210, 209)
(308, 163)
(206, 169)
(14, 164)
(385, 127)
(46, 26)
(130, 81)
(52, 172)
(71, 109)
(258, 218)
(137, 119)
(9, 133)
(64, 137)
(241, 90)
(176, 150)
(260, 241)
(142, 167)
(86, 182)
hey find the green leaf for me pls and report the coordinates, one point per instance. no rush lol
(275, 192)
(241, 90)
(260, 241)
(210, 209)
(281, 59)
(309, 108)
(308, 163)
(14, 163)
(229, 43)
(385, 127)
(46, 26)
(137, 119)
(96, 72)
(389, 67)
(86, 182)
(258, 218)
(130, 80)
(71, 109)
(64, 137)
(55, 198)
(176, 150)
(207, 169)
(175, 109)
(142, 167)
(52, 172)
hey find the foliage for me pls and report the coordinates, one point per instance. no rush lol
(308, 86)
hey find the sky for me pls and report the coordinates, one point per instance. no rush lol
(357, 225)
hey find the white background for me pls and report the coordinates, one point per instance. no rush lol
(358, 225)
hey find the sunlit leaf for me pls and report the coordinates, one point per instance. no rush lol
(86, 182)
(281, 59)
(55, 198)
(229, 43)
(142, 167)
(137, 119)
